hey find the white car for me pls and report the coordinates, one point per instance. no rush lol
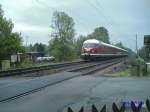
(48, 58)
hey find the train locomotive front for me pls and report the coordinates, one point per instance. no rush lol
(90, 49)
(93, 49)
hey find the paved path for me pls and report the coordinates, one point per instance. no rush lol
(79, 91)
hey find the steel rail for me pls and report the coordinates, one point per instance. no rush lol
(92, 70)
(19, 71)
(100, 67)
(90, 66)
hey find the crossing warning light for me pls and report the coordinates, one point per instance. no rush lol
(146, 39)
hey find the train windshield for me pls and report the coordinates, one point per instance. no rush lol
(90, 45)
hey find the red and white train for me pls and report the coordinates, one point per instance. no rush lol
(95, 49)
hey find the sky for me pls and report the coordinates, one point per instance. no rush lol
(122, 18)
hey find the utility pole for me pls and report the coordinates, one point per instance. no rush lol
(27, 40)
(136, 46)
(137, 55)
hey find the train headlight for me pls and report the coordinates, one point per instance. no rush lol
(92, 51)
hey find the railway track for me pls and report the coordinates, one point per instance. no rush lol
(20, 71)
(87, 70)
(84, 70)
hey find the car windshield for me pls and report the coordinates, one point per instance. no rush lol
(90, 45)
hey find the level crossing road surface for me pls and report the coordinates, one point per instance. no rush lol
(81, 91)
(5, 81)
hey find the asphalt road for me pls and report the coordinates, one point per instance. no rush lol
(85, 90)
(6, 81)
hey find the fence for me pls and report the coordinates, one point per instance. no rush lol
(134, 107)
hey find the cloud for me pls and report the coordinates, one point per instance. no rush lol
(123, 19)
(34, 33)
(21, 27)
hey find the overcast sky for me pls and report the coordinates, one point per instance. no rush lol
(123, 18)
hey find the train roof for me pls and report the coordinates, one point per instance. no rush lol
(100, 42)
(91, 41)
(112, 46)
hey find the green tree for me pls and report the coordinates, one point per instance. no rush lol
(39, 47)
(119, 44)
(142, 53)
(29, 48)
(10, 42)
(78, 44)
(61, 44)
(100, 33)
(131, 54)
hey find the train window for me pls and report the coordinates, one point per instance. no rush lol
(89, 45)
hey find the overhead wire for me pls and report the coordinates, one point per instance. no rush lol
(109, 18)
(78, 20)
(91, 4)
(99, 12)
(54, 9)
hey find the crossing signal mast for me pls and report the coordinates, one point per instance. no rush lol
(136, 47)
(147, 46)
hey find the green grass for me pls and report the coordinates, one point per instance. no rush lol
(125, 73)
(129, 72)
(148, 72)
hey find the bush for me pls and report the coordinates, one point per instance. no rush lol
(25, 63)
(138, 67)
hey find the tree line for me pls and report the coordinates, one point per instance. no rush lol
(10, 42)
(63, 44)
